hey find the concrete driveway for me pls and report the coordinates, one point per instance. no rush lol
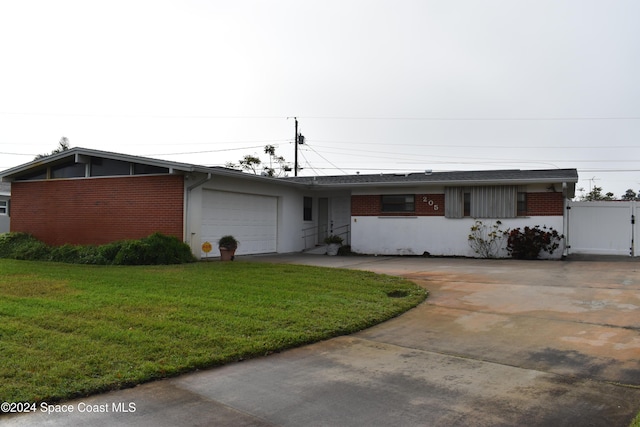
(498, 342)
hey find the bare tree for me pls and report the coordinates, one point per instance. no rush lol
(278, 166)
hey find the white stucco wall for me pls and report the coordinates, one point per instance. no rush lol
(439, 236)
(290, 222)
(290, 208)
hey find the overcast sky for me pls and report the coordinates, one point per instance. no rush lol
(389, 86)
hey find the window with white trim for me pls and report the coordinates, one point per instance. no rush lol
(4, 207)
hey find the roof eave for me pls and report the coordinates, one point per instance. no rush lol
(458, 183)
(77, 152)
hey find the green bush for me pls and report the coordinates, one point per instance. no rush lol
(167, 250)
(529, 243)
(109, 251)
(154, 249)
(76, 254)
(23, 246)
(132, 252)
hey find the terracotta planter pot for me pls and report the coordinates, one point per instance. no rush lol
(227, 254)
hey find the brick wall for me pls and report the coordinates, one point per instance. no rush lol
(371, 205)
(98, 210)
(545, 204)
(538, 204)
(368, 205)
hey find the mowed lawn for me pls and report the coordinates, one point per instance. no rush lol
(72, 330)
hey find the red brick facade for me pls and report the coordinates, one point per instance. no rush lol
(98, 210)
(371, 205)
(538, 204)
(545, 204)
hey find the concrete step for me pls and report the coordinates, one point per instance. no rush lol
(318, 250)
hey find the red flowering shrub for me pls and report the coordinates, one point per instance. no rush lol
(529, 243)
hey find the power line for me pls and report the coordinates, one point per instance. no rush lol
(479, 145)
(381, 118)
(141, 116)
(18, 154)
(468, 119)
(204, 152)
(322, 157)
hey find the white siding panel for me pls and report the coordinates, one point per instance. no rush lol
(603, 228)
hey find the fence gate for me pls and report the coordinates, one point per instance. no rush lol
(602, 228)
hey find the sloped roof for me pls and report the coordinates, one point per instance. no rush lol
(79, 151)
(513, 176)
(485, 177)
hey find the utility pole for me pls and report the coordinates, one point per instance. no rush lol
(295, 142)
(298, 140)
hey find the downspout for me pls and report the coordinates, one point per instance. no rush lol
(565, 215)
(188, 236)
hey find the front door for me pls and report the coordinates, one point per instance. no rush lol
(323, 219)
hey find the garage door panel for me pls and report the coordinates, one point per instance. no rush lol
(250, 218)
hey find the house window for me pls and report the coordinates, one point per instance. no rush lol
(467, 204)
(307, 211)
(4, 207)
(398, 203)
(68, 170)
(140, 169)
(497, 201)
(522, 204)
(109, 167)
(39, 174)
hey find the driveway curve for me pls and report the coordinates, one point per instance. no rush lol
(497, 343)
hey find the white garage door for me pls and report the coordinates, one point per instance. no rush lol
(252, 219)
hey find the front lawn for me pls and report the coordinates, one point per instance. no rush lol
(71, 330)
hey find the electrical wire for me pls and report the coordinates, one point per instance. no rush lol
(208, 151)
(325, 159)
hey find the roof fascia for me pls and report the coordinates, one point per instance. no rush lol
(441, 183)
(78, 153)
(233, 173)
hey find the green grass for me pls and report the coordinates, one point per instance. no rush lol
(72, 330)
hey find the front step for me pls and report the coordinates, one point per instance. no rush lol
(318, 250)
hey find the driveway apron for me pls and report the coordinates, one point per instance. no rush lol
(497, 343)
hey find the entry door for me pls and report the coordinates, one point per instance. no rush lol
(323, 218)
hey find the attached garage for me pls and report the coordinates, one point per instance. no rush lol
(251, 218)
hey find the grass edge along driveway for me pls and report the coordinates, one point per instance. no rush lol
(71, 330)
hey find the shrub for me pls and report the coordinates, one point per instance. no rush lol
(334, 238)
(154, 249)
(529, 243)
(132, 252)
(485, 240)
(23, 246)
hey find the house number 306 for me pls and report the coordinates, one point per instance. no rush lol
(430, 202)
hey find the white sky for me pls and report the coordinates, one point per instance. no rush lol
(377, 85)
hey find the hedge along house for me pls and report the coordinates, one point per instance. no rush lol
(414, 214)
(83, 196)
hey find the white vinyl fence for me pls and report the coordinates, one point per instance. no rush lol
(603, 228)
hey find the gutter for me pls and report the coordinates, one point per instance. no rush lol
(458, 183)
